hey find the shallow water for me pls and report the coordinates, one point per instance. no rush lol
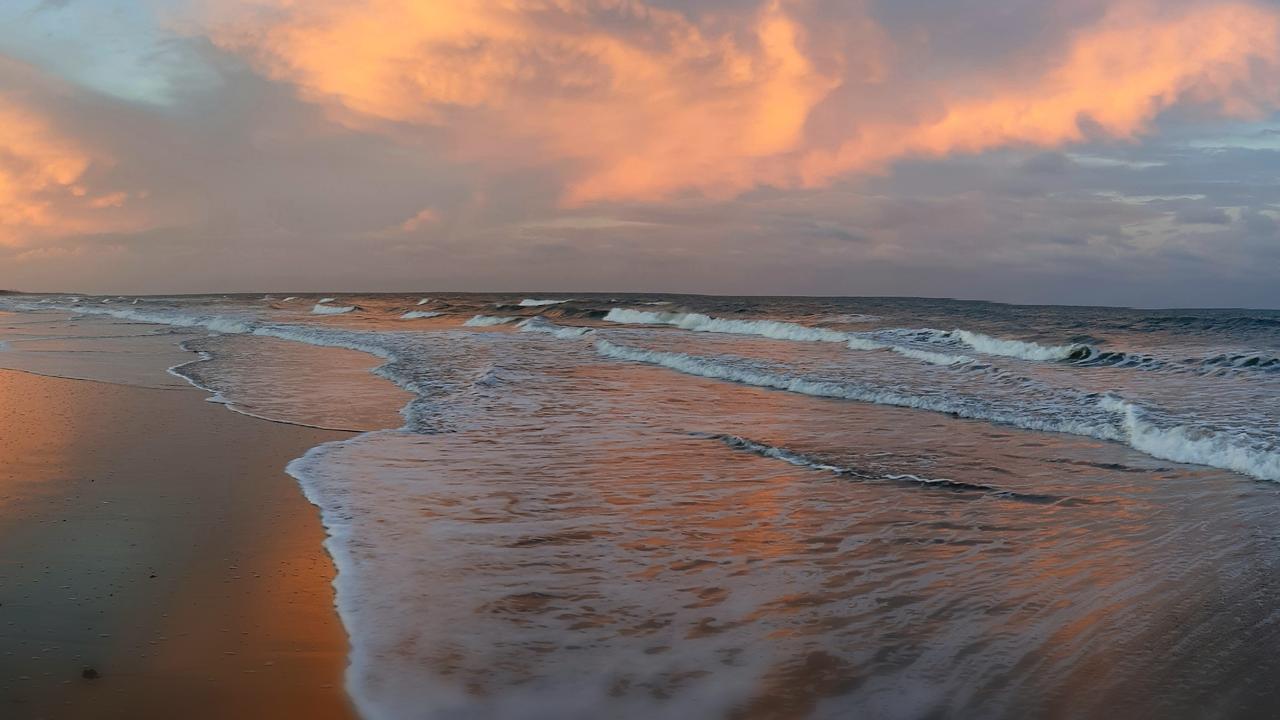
(758, 508)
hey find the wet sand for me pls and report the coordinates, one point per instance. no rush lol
(155, 538)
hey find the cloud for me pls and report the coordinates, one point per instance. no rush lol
(639, 101)
(1199, 215)
(642, 103)
(45, 184)
(1113, 80)
(1039, 151)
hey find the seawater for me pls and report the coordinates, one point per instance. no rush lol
(674, 506)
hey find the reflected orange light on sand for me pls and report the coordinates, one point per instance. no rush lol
(29, 458)
(640, 102)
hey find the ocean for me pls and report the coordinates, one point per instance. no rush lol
(639, 506)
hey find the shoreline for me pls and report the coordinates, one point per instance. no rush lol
(157, 561)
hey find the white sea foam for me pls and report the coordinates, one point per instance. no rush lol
(1016, 348)
(291, 298)
(415, 314)
(1188, 445)
(322, 309)
(531, 302)
(540, 325)
(698, 322)
(487, 321)
(424, 301)
(861, 343)
(222, 324)
(776, 330)
(933, 358)
(322, 301)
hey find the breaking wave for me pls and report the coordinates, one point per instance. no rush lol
(531, 302)
(539, 325)
(1120, 420)
(933, 358)
(1022, 349)
(698, 322)
(1190, 445)
(488, 321)
(323, 309)
(415, 314)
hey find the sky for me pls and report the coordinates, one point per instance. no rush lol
(1113, 152)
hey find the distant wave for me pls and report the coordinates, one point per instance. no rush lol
(1120, 420)
(322, 301)
(291, 298)
(322, 309)
(1202, 323)
(531, 302)
(539, 325)
(1087, 355)
(424, 301)
(221, 324)
(1244, 360)
(487, 321)
(849, 319)
(415, 314)
(776, 330)
(764, 450)
(698, 322)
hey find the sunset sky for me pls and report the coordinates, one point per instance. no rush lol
(1073, 151)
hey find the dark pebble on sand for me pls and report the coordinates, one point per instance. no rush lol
(90, 674)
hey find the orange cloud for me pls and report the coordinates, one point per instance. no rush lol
(425, 217)
(36, 166)
(1140, 60)
(42, 180)
(638, 102)
(641, 101)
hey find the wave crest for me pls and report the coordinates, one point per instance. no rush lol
(697, 322)
(324, 309)
(1022, 349)
(487, 321)
(538, 325)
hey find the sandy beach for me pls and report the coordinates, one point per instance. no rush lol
(156, 561)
